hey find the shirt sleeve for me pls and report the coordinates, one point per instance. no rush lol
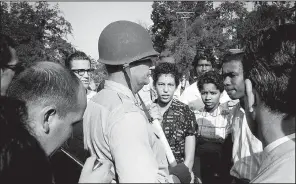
(132, 153)
(190, 122)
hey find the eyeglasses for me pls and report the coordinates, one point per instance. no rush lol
(81, 72)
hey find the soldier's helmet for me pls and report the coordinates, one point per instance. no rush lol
(124, 42)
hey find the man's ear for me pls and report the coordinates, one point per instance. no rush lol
(49, 115)
(250, 95)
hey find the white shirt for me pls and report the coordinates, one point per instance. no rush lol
(278, 162)
(90, 95)
(147, 93)
(177, 93)
(216, 125)
(247, 149)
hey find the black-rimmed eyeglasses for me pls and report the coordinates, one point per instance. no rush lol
(81, 72)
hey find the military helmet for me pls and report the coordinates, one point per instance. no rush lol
(123, 42)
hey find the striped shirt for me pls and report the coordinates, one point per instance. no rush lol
(246, 147)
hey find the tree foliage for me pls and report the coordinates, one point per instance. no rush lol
(218, 29)
(265, 15)
(39, 30)
(204, 28)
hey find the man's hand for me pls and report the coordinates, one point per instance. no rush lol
(154, 112)
(101, 174)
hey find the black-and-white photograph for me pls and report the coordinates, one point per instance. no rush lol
(147, 92)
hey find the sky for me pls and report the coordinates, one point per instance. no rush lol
(88, 19)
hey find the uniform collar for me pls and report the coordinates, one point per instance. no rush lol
(119, 88)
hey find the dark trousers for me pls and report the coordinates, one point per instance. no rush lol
(213, 162)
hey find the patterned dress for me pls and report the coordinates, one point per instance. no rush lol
(178, 123)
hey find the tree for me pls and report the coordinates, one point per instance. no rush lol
(39, 30)
(207, 28)
(163, 14)
(265, 15)
(100, 72)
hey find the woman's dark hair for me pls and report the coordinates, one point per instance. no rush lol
(211, 77)
(166, 68)
(22, 160)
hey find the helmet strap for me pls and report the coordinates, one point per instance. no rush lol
(127, 72)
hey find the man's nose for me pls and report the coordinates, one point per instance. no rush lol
(226, 81)
(86, 74)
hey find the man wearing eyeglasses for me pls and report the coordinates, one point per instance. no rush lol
(8, 61)
(79, 63)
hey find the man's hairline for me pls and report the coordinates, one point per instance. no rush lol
(234, 61)
(70, 63)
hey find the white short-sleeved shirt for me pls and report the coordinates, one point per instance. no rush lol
(247, 149)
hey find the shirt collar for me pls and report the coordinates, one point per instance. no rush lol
(215, 113)
(278, 142)
(275, 144)
(120, 89)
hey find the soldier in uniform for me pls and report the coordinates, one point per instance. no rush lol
(116, 125)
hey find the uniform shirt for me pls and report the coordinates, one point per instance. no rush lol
(246, 147)
(278, 162)
(115, 128)
(191, 97)
(178, 123)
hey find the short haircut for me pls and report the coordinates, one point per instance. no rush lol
(268, 63)
(22, 159)
(211, 77)
(209, 56)
(76, 56)
(113, 68)
(230, 56)
(166, 68)
(46, 83)
(5, 54)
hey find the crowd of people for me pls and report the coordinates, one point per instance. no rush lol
(146, 123)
